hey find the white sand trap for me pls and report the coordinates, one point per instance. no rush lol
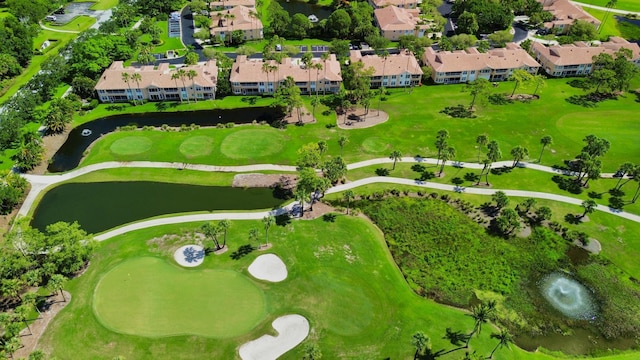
(292, 330)
(268, 267)
(189, 255)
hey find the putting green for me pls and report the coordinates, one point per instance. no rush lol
(375, 145)
(196, 146)
(131, 145)
(254, 143)
(147, 296)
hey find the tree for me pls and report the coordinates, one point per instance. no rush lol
(56, 283)
(267, 222)
(602, 79)
(31, 299)
(543, 213)
(582, 30)
(191, 58)
(481, 314)
(342, 142)
(441, 142)
(501, 38)
(192, 75)
(137, 78)
(21, 314)
(610, 5)
(334, 169)
(306, 60)
(481, 141)
(478, 88)
(211, 231)
(395, 156)
(59, 114)
(508, 221)
(279, 19)
(30, 152)
(348, 195)
(446, 155)
(527, 204)
(504, 339)
(83, 86)
(253, 236)
(126, 77)
(623, 170)
(493, 155)
(309, 156)
(546, 140)
(421, 342)
(12, 288)
(540, 82)
(299, 27)
(12, 345)
(339, 24)
(223, 225)
(467, 23)
(519, 152)
(462, 41)
(519, 76)
(589, 206)
(501, 199)
(495, 16)
(311, 351)
(182, 74)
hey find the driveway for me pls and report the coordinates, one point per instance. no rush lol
(73, 10)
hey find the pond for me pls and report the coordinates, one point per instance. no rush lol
(103, 205)
(302, 7)
(69, 155)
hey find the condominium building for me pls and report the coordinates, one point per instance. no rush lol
(256, 76)
(228, 4)
(450, 67)
(237, 18)
(406, 4)
(565, 13)
(395, 70)
(157, 83)
(395, 21)
(577, 59)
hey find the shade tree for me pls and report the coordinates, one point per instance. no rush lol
(546, 140)
(519, 153)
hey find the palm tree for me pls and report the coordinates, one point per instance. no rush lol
(504, 339)
(395, 156)
(623, 170)
(137, 78)
(477, 87)
(540, 82)
(266, 69)
(322, 147)
(481, 314)
(342, 141)
(211, 231)
(421, 342)
(324, 57)
(268, 221)
(519, 152)
(318, 67)
(545, 141)
(192, 74)
(441, 142)
(253, 236)
(481, 141)
(182, 74)
(519, 76)
(56, 283)
(382, 90)
(21, 313)
(384, 55)
(610, 5)
(493, 155)
(348, 195)
(223, 225)
(302, 194)
(589, 206)
(306, 60)
(253, 15)
(31, 298)
(12, 288)
(175, 76)
(126, 77)
(314, 103)
(446, 155)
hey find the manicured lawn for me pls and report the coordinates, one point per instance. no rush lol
(341, 278)
(168, 43)
(101, 4)
(630, 5)
(80, 23)
(610, 27)
(148, 296)
(252, 143)
(196, 146)
(132, 145)
(411, 129)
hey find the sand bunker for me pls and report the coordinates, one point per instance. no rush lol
(292, 330)
(268, 267)
(189, 255)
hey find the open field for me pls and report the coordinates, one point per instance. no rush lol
(80, 23)
(630, 5)
(101, 4)
(412, 129)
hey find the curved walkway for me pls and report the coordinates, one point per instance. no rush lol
(40, 182)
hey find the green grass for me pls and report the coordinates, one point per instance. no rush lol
(131, 145)
(196, 146)
(341, 278)
(610, 27)
(79, 24)
(252, 144)
(147, 296)
(101, 4)
(412, 128)
(167, 43)
(630, 5)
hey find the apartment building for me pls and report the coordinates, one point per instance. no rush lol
(396, 70)
(577, 59)
(451, 67)
(239, 17)
(395, 21)
(256, 76)
(405, 4)
(157, 83)
(565, 13)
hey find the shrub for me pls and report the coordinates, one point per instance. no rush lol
(229, 125)
(220, 126)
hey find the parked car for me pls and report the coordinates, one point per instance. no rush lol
(59, 11)
(543, 31)
(51, 18)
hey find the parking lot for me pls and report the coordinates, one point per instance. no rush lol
(73, 10)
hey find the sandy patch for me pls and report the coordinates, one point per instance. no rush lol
(357, 119)
(189, 255)
(264, 180)
(292, 330)
(268, 267)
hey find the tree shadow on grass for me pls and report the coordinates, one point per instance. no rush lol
(573, 219)
(283, 220)
(567, 184)
(242, 251)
